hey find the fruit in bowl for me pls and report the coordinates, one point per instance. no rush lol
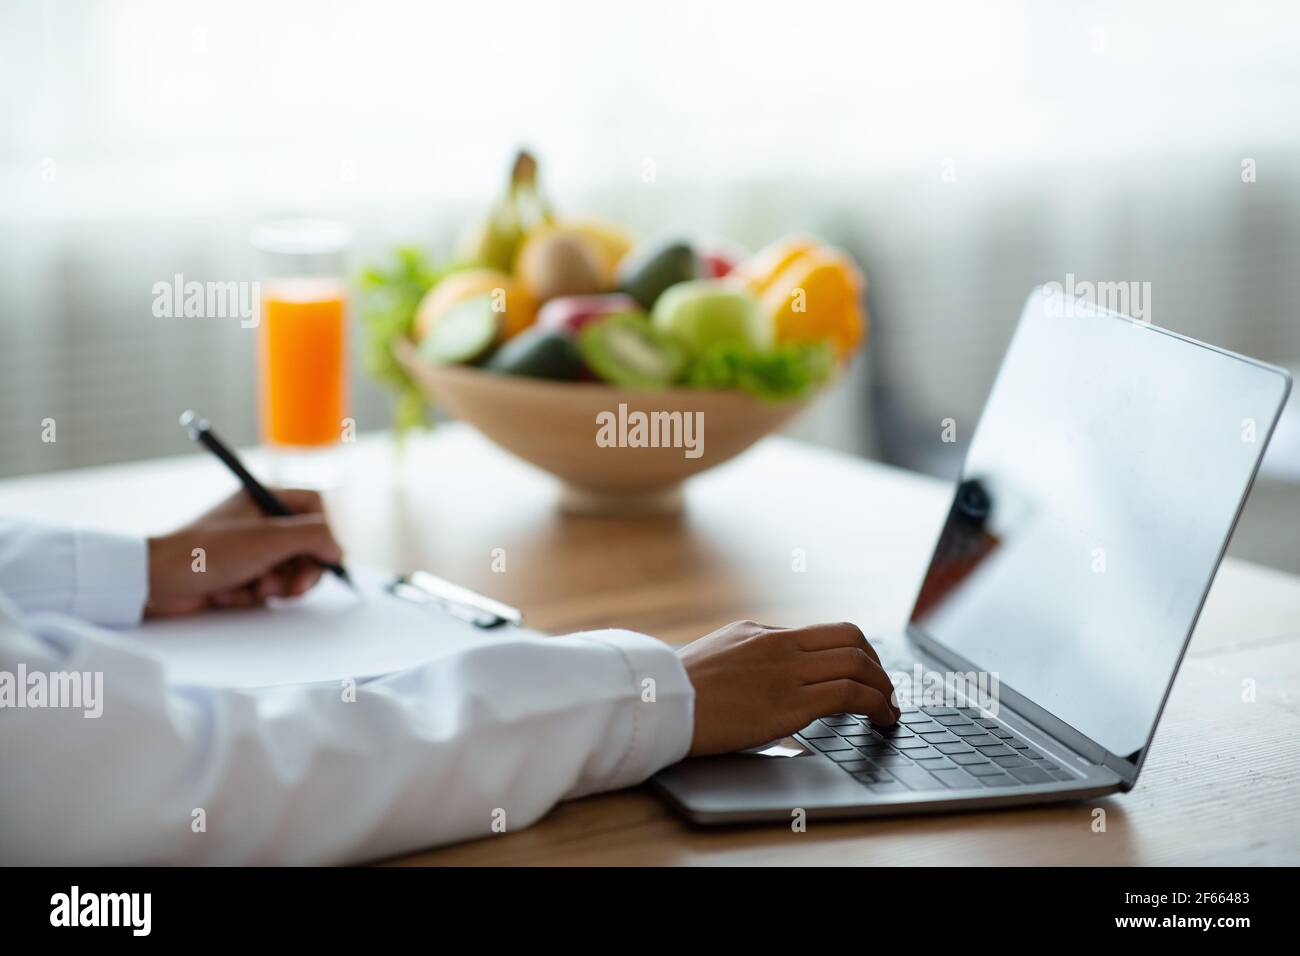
(617, 451)
(706, 313)
(620, 369)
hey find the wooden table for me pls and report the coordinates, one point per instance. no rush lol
(1222, 784)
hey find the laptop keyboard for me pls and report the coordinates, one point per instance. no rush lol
(931, 748)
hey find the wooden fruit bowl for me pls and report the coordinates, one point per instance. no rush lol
(555, 426)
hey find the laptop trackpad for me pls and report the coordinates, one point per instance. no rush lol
(748, 783)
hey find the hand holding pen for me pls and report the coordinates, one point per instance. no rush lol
(238, 555)
(270, 505)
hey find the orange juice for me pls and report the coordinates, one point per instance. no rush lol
(303, 358)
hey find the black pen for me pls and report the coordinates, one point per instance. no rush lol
(267, 502)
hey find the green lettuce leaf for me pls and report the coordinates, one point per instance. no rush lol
(390, 295)
(787, 371)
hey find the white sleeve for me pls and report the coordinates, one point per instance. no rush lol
(91, 575)
(478, 743)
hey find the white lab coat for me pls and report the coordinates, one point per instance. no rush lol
(464, 747)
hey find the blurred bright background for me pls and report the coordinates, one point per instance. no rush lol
(962, 152)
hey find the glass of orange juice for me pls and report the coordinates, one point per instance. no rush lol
(302, 348)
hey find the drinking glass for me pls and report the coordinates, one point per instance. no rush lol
(302, 348)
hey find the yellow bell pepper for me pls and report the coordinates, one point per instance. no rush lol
(813, 293)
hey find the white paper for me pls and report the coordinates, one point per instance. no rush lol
(328, 635)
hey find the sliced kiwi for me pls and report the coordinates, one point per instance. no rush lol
(625, 349)
(464, 333)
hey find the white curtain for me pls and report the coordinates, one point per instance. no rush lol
(963, 151)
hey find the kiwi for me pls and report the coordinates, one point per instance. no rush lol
(464, 333)
(625, 349)
(554, 264)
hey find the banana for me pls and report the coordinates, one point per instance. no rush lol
(495, 240)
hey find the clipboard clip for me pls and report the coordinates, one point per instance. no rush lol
(478, 609)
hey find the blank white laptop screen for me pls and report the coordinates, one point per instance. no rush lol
(1098, 492)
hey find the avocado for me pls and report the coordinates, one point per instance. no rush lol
(645, 274)
(463, 334)
(539, 353)
(625, 349)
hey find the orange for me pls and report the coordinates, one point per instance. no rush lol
(518, 308)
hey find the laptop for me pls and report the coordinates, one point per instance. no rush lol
(1098, 493)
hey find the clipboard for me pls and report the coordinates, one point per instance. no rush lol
(389, 624)
(478, 609)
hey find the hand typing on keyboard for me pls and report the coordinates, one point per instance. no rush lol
(932, 748)
(755, 683)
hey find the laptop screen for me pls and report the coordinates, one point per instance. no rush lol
(1098, 491)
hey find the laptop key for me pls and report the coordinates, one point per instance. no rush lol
(1012, 761)
(1048, 765)
(934, 763)
(911, 743)
(987, 722)
(1016, 742)
(916, 778)
(981, 740)
(862, 740)
(970, 731)
(941, 738)
(969, 759)
(1006, 780)
(929, 727)
(955, 779)
(828, 744)
(891, 761)
(939, 711)
(857, 766)
(844, 756)
(1029, 775)
(950, 749)
(984, 770)
(890, 787)
(920, 753)
(913, 717)
(874, 755)
(995, 750)
(1002, 734)
(816, 729)
(837, 720)
(956, 720)
(897, 731)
